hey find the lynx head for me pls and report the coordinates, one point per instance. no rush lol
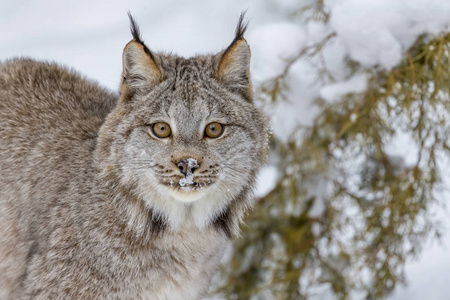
(185, 138)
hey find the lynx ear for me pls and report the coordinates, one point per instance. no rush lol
(140, 70)
(234, 65)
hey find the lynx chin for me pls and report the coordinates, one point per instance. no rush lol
(128, 196)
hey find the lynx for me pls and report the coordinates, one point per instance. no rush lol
(128, 196)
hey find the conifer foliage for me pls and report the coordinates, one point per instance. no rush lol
(375, 208)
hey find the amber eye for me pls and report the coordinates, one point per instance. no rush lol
(161, 129)
(214, 130)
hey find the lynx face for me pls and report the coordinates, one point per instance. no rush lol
(185, 161)
(185, 132)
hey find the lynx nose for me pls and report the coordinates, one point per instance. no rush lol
(187, 166)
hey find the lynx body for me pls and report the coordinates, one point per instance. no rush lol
(97, 202)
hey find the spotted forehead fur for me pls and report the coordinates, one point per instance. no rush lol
(192, 81)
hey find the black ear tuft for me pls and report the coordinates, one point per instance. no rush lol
(140, 68)
(234, 64)
(134, 29)
(240, 29)
(136, 33)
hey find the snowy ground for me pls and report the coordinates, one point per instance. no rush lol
(90, 35)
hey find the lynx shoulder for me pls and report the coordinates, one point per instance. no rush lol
(130, 195)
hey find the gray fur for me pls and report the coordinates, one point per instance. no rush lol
(90, 201)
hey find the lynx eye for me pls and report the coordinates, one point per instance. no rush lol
(214, 130)
(161, 129)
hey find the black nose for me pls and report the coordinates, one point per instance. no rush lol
(187, 166)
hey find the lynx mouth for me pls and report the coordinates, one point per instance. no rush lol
(187, 193)
(188, 189)
(186, 184)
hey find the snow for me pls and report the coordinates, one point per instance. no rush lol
(266, 180)
(334, 91)
(374, 33)
(90, 35)
(189, 177)
(187, 180)
(406, 156)
(377, 33)
(268, 62)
